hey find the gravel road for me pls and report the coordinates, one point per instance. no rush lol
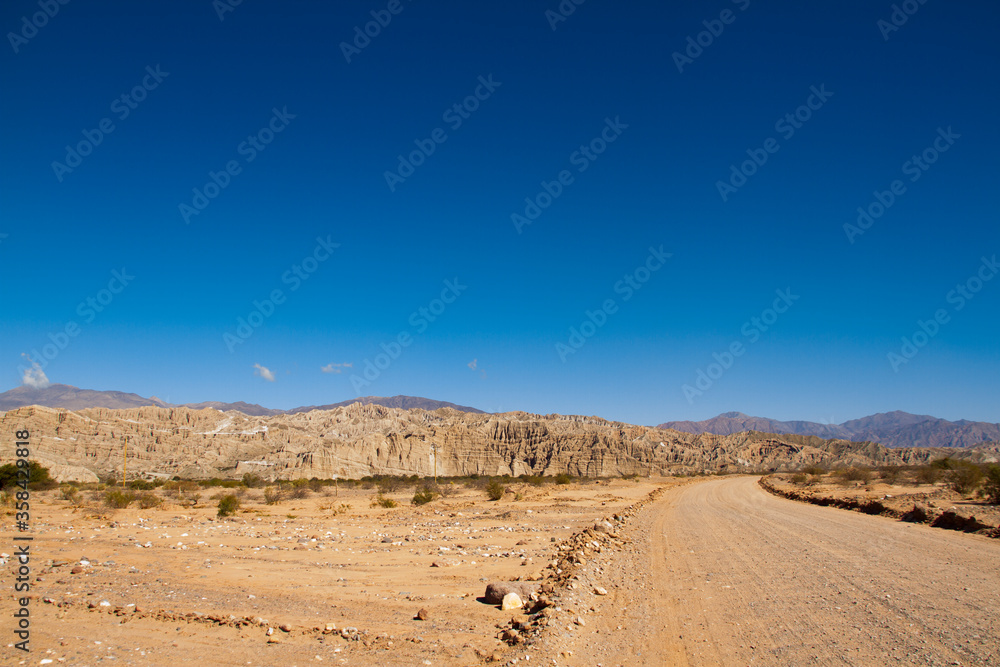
(726, 574)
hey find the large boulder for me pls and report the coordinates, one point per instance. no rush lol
(496, 591)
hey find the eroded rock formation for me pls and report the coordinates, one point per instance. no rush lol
(360, 440)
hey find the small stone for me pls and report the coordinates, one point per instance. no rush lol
(598, 590)
(511, 601)
(76, 569)
(422, 614)
(285, 627)
(328, 628)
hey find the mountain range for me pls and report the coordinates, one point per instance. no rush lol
(892, 429)
(72, 398)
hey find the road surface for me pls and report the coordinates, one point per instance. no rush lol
(724, 573)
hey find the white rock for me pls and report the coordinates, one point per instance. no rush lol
(511, 601)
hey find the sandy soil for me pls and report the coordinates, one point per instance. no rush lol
(713, 572)
(368, 570)
(723, 573)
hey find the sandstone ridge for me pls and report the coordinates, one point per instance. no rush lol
(359, 440)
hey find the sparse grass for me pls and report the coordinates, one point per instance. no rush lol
(814, 470)
(342, 508)
(798, 478)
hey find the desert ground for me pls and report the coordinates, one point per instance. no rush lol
(176, 583)
(706, 571)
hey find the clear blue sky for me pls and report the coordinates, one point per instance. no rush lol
(660, 131)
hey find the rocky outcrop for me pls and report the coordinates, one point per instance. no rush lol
(359, 440)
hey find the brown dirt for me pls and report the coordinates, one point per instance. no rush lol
(723, 573)
(200, 578)
(712, 572)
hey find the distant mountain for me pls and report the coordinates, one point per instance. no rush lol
(251, 409)
(401, 402)
(892, 429)
(73, 398)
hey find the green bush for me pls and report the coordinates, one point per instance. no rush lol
(300, 489)
(228, 505)
(149, 500)
(495, 489)
(119, 499)
(424, 495)
(814, 470)
(798, 478)
(38, 477)
(252, 481)
(964, 477)
(991, 487)
(927, 475)
(855, 474)
(142, 485)
(563, 478)
(382, 501)
(272, 495)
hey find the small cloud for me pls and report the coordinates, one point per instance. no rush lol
(34, 377)
(264, 372)
(474, 365)
(335, 368)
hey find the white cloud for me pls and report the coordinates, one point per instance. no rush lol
(264, 372)
(474, 365)
(335, 368)
(34, 377)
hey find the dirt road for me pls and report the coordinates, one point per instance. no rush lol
(724, 573)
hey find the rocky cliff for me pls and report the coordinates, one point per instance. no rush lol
(359, 440)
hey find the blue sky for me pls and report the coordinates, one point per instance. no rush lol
(623, 133)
